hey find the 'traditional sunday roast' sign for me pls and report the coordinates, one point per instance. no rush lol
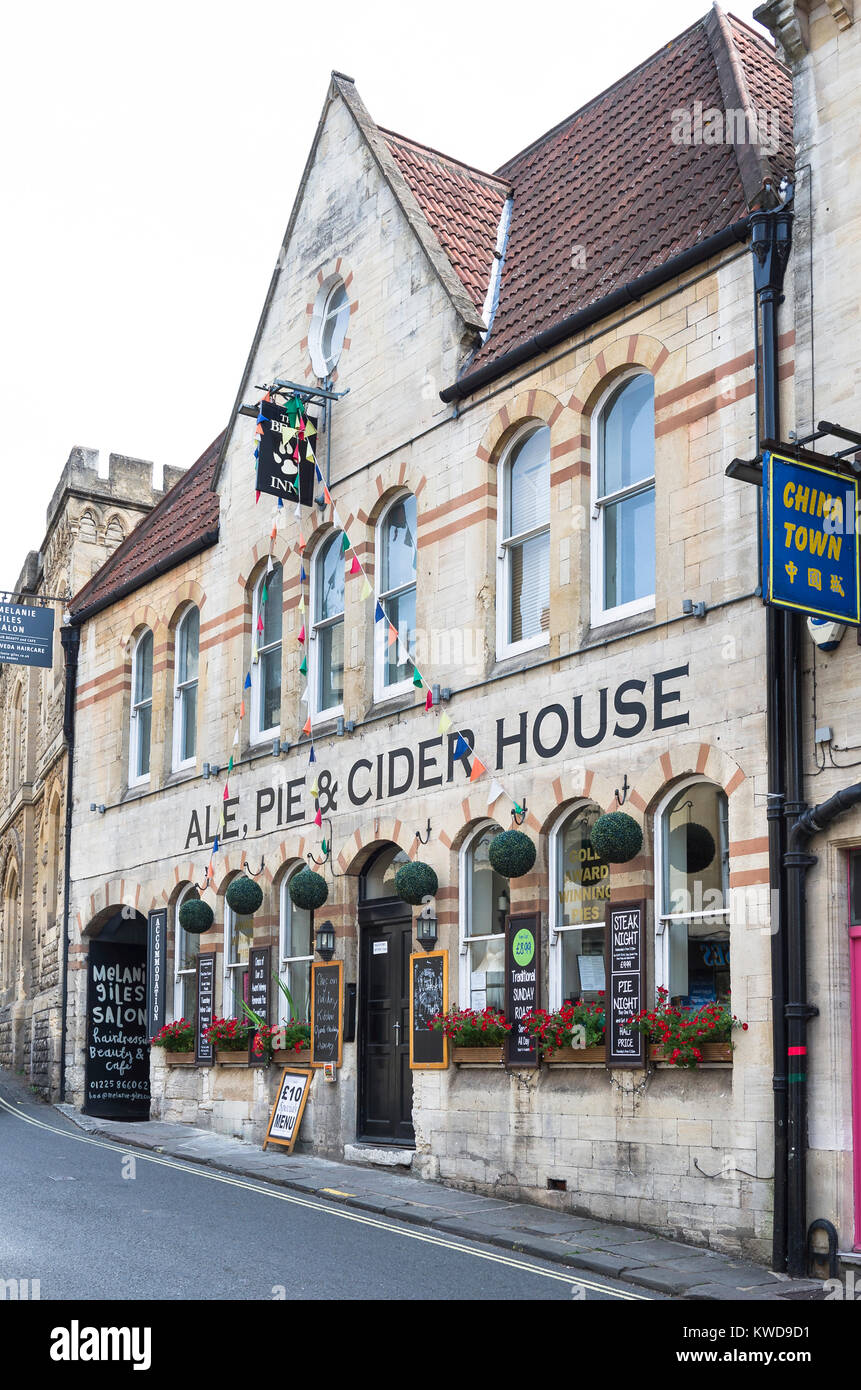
(626, 977)
(557, 730)
(26, 635)
(522, 956)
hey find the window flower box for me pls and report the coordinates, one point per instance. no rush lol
(484, 1056)
(225, 1058)
(567, 1055)
(289, 1057)
(711, 1052)
(179, 1059)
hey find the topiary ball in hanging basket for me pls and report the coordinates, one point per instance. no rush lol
(244, 896)
(692, 847)
(616, 837)
(511, 853)
(196, 916)
(308, 890)
(415, 882)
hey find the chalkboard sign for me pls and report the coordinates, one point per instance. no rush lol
(286, 1116)
(156, 970)
(327, 1002)
(428, 996)
(117, 1061)
(626, 976)
(258, 996)
(522, 980)
(204, 1052)
(285, 466)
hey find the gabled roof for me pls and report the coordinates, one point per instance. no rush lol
(184, 522)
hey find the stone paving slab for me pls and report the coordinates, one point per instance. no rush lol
(664, 1267)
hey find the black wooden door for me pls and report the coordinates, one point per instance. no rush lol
(385, 1079)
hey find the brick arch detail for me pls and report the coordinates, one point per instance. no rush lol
(686, 760)
(537, 404)
(357, 850)
(635, 350)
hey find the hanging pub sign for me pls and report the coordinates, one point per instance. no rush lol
(258, 997)
(117, 1062)
(327, 1006)
(156, 963)
(810, 554)
(26, 635)
(428, 996)
(522, 956)
(286, 1116)
(204, 1052)
(626, 976)
(285, 453)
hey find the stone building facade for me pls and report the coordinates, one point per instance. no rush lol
(541, 408)
(87, 518)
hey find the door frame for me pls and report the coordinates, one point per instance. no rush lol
(378, 912)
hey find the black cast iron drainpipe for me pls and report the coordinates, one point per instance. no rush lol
(70, 636)
(798, 860)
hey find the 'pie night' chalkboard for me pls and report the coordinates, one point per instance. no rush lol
(625, 978)
(204, 1052)
(428, 996)
(327, 997)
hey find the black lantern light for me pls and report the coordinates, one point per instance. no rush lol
(426, 931)
(325, 940)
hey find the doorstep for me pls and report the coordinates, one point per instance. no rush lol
(379, 1155)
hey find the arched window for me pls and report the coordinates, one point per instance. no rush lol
(484, 907)
(523, 579)
(185, 689)
(87, 528)
(238, 932)
(114, 534)
(266, 668)
(378, 875)
(186, 951)
(16, 740)
(396, 593)
(327, 632)
(54, 868)
(11, 930)
(623, 499)
(141, 716)
(580, 892)
(691, 881)
(329, 322)
(296, 954)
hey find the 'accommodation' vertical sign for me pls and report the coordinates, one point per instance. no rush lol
(626, 978)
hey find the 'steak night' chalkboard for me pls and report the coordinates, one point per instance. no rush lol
(327, 1000)
(428, 996)
(626, 979)
(204, 1052)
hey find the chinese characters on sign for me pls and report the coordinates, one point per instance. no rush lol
(810, 544)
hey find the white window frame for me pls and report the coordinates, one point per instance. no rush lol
(318, 714)
(139, 779)
(229, 967)
(504, 544)
(464, 879)
(178, 937)
(179, 763)
(599, 614)
(555, 914)
(663, 919)
(256, 734)
(323, 367)
(381, 690)
(285, 911)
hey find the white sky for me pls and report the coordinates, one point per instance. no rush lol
(151, 158)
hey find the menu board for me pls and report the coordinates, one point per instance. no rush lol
(286, 1116)
(258, 996)
(327, 999)
(428, 996)
(117, 1060)
(522, 982)
(626, 975)
(204, 1052)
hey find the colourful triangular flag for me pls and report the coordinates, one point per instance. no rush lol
(345, 543)
(393, 634)
(260, 622)
(495, 792)
(461, 748)
(214, 847)
(242, 710)
(247, 685)
(301, 603)
(303, 666)
(265, 594)
(301, 637)
(366, 588)
(230, 763)
(355, 567)
(429, 700)
(478, 769)
(417, 680)
(236, 738)
(226, 792)
(306, 727)
(313, 757)
(314, 789)
(379, 615)
(444, 724)
(318, 819)
(301, 544)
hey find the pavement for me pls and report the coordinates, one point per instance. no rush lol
(668, 1267)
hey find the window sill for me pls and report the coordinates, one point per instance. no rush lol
(181, 774)
(136, 791)
(393, 704)
(522, 661)
(617, 627)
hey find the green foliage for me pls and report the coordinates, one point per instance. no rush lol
(308, 890)
(196, 916)
(244, 896)
(511, 853)
(415, 882)
(616, 837)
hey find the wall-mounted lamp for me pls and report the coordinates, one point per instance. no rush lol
(94, 807)
(426, 932)
(693, 610)
(325, 943)
(440, 692)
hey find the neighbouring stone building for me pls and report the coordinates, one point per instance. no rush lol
(548, 370)
(88, 517)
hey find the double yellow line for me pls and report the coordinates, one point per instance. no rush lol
(330, 1210)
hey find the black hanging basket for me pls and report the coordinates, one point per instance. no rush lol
(616, 837)
(416, 881)
(308, 890)
(511, 853)
(196, 916)
(692, 847)
(244, 896)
